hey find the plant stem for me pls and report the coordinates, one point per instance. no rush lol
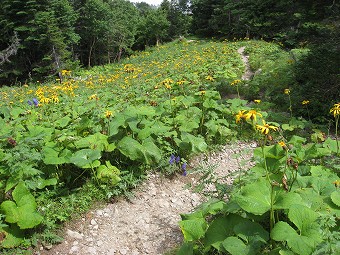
(290, 106)
(272, 217)
(336, 133)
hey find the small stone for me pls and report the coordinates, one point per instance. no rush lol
(93, 222)
(74, 250)
(100, 243)
(92, 250)
(74, 234)
(112, 251)
(75, 243)
(89, 239)
(95, 227)
(99, 212)
(123, 251)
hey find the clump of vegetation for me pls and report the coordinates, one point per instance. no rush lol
(288, 203)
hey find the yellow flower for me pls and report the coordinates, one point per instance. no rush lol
(235, 82)
(287, 91)
(257, 101)
(55, 99)
(335, 110)
(94, 96)
(337, 183)
(252, 115)
(45, 100)
(305, 102)
(240, 116)
(108, 114)
(265, 128)
(209, 78)
(282, 143)
(202, 92)
(65, 72)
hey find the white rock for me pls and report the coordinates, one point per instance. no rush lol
(74, 234)
(74, 250)
(93, 222)
(123, 251)
(99, 212)
(100, 243)
(92, 250)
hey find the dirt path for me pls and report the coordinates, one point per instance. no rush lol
(248, 73)
(148, 224)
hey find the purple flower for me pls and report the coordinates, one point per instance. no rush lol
(178, 159)
(35, 101)
(184, 168)
(29, 102)
(172, 159)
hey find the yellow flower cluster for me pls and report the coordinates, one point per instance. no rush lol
(129, 68)
(250, 115)
(167, 83)
(305, 102)
(286, 91)
(235, 82)
(335, 110)
(108, 114)
(209, 78)
(65, 72)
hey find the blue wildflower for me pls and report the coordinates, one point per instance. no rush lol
(178, 159)
(35, 101)
(172, 159)
(184, 168)
(29, 102)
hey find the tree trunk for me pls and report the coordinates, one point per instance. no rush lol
(90, 53)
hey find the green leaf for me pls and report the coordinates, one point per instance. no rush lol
(335, 196)
(14, 236)
(331, 145)
(147, 152)
(108, 173)
(235, 246)
(63, 122)
(23, 211)
(255, 198)
(152, 153)
(186, 249)
(116, 123)
(95, 141)
(287, 127)
(252, 232)
(309, 235)
(221, 228)
(85, 157)
(42, 183)
(193, 229)
(55, 156)
(297, 140)
(191, 143)
(301, 245)
(131, 148)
